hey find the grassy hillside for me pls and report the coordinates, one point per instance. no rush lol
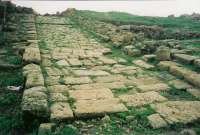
(125, 18)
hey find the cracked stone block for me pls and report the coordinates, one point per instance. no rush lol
(60, 111)
(31, 68)
(74, 62)
(156, 121)
(58, 97)
(143, 64)
(91, 94)
(110, 78)
(193, 78)
(153, 87)
(52, 80)
(178, 84)
(90, 73)
(90, 108)
(52, 71)
(194, 92)
(58, 89)
(178, 111)
(185, 58)
(32, 55)
(76, 80)
(34, 101)
(112, 85)
(34, 79)
(107, 61)
(141, 99)
(62, 63)
(165, 65)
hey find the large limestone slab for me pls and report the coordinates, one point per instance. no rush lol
(112, 85)
(32, 55)
(165, 65)
(31, 68)
(143, 64)
(90, 108)
(34, 102)
(62, 63)
(58, 89)
(140, 99)
(107, 61)
(178, 111)
(52, 71)
(90, 73)
(34, 79)
(103, 93)
(52, 80)
(60, 111)
(74, 62)
(156, 121)
(58, 97)
(110, 78)
(180, 71)
(179, 84)
(185, 58)
(194, 92)
(193, 78)
(76, 80)
(153, 87)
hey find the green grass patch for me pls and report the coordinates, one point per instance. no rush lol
(174, 94)
(11, 78)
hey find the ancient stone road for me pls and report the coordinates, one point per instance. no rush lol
(78, 79)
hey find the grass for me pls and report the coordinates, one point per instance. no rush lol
(11, 78)
(126, 18)
(10, 113)
(174, 94)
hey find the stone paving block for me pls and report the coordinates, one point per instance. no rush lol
(62, 63)
(34, 101)
(90, 73)
(153, 87)
(76, 80)
(110, 78)
(165, 65)
(90, 108)
(140, 99)
(74, 62)
(185, 58)
(60, 111)
(194, 92)
(193, 78)
(178, 84)
(179, 71)
(112, 85)
(107, 61)
(52, 71)
(103, 93)
(32, 55)
(34, 79)
(58, 89)
(178, 111)
(58, 97)
(143, 64)
(156, 121)
(31, 68)
(46, 62)
(52, 80)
